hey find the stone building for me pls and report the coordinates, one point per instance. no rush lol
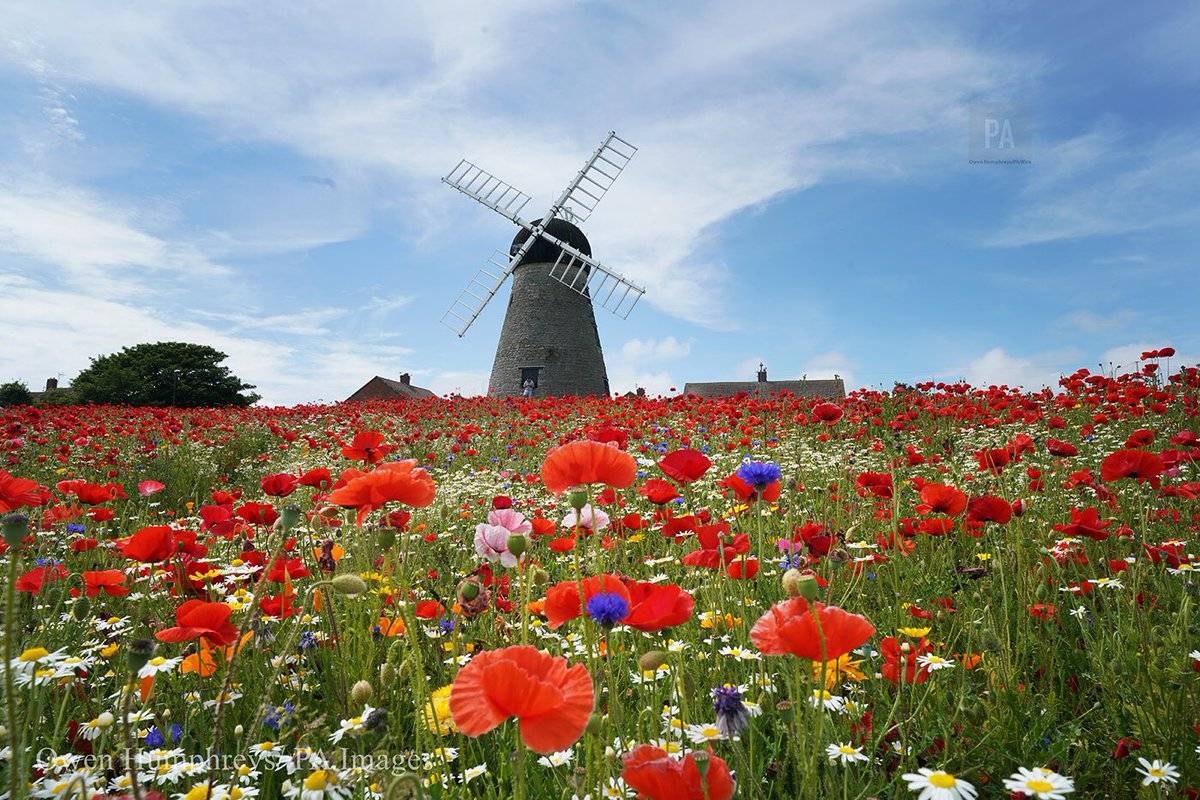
(830, 389)
(379, 388)
(549, 334)
(52, 393)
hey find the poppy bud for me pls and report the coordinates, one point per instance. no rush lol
(349, 584)
(651, 660)
(387, 538)
(387, 673)
(517, 544)
(406, 785)
(14, 527)
(539, 577)
(361, 692)
(289, 516)
(238, 730)
(578, 499)
(594, 724)
(469, 590)
(81, 609)
(700, 759)
(105, 719)
(138, 653)
(791, 582)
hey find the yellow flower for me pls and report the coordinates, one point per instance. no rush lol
(983, 556)
(838, 670)
(437, 712)
(916, 633)
(110, 650)
(33, 654)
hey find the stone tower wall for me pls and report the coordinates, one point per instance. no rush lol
(550, 326)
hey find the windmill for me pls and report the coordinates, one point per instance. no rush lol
(549, 335)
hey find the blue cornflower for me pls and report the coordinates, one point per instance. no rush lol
(446, 625)
(176, 731)
(732, 715)
(76, 527)
(607, 608)
(154, 737)
(793, 561)
(308, 640)
(759, 474)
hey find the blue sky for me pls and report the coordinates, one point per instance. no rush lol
(265, 178)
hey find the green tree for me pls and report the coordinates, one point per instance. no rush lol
(15, 393)
(163, 374)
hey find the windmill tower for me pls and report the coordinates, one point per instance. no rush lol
(549, 336)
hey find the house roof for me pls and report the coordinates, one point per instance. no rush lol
(380, 388)
(833, 389)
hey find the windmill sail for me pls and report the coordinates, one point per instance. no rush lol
(477, 183)
(597, 177)
(481, 288)
(593, 280)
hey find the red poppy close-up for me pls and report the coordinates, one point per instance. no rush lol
(550, 700)
(396, 481)
(809, 630)
(656, 775)
(587, 462)
(196, 618)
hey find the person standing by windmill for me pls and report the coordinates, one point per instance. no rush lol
(527, 388)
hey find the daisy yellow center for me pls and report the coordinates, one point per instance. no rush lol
(1156, 772)
(317, 780)
(936, 660)
(199, 792)
(847, 749)
(267, 746)
(44, 673)
(34, 653)
(942, 780)
(113, 620)
(710, 730)
(1039, 785)
(158, 661)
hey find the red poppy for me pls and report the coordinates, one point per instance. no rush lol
(878, 484)
(745, 492)
(150, 545)
(586, 461)
(1057, 447)
(279, 485)
(429, 609)
(148, 488)
(792, 627)
(1138, 464)
(1085, 522)
(658, 491)
(938, 498)
(33, 581)
(685, 466)
(367, 446)
(562, 599)
(258, 513)
(829, 413)
(551, 701)
(396, 481)
(742, 569)
(17, 492)
(894, 652)
(656, 775)
(107, 580)
(988, 508)
(655, 606)
(318, 478)
(196, 618)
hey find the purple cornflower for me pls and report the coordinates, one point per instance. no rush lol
(607, 608)
(732, 714)
(759, 474)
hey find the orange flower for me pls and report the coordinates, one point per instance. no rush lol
(791, 627)
(586, 461)
(202, 663)
(391, 627)
(562, 599)
(399, 481)
(551, 701)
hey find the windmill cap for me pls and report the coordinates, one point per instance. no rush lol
(544, 252)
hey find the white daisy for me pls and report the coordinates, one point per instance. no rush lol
(934, 662)
(846, 753)
(936, 784)
(1040, 783)
(1158, 772)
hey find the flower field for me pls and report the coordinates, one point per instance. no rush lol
(939, 592)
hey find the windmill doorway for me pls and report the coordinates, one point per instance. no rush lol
(530, 379)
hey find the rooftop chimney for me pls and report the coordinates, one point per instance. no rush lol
(51, 384)
(762, 373)
(404, 378)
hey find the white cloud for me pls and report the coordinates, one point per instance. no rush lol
(302, 322)
(1103, 184)
(398, 93)
(57, 331)
(829, 364)
(1126, 357)
(1095, 322)
(996, 367)
(98, 246)
(639, 351)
